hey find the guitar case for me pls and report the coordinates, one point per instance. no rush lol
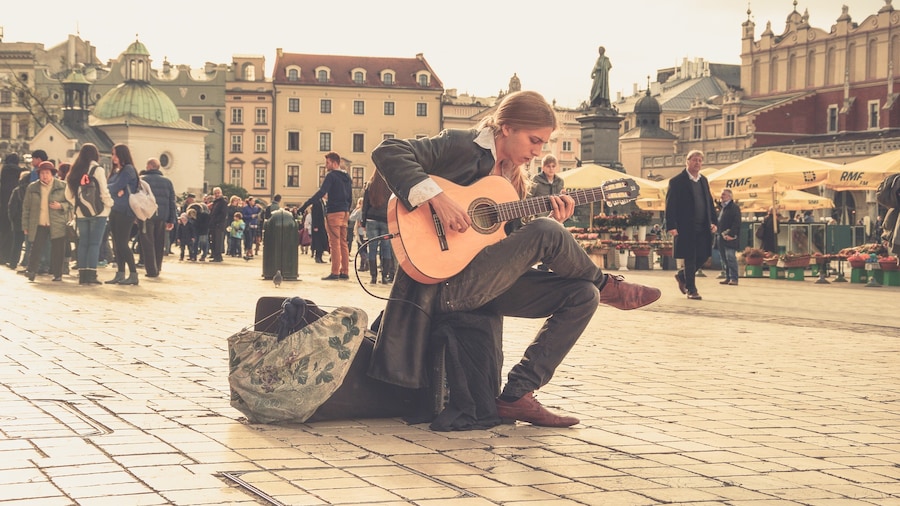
(359, 396)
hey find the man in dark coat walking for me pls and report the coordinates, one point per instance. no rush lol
(153, 230)
(689, 219)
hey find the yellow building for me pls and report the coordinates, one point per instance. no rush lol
(249, 123)
(345, 104)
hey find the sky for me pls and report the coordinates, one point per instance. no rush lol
(472, 46)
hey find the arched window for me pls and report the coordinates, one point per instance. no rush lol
(249, 72)
(811, 69)
(872, 60)
(754, 78)
(388, 78)
(322, 76)
(773, 75)
(831, 66)
(358, 78)
(293, 75)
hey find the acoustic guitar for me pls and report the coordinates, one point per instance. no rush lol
(430, 254)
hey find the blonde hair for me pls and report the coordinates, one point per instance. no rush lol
(521, 110)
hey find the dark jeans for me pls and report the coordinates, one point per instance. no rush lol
(120, 229)
(153, 245)
(500, 279)
(57, 250)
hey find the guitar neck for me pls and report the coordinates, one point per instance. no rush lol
(541, 205)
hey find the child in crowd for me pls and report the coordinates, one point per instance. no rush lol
(185, 236)
(236, 235)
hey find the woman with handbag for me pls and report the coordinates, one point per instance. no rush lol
(90, 221)
(123, 181)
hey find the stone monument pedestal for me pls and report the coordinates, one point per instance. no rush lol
(600, 136)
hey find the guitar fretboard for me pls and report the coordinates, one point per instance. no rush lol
(613, 192)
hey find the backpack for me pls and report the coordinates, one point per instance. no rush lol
(142, 202)
(87, 199)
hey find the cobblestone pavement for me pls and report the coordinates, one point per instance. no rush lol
(772, 392)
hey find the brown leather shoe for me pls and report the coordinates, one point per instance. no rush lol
(694, 296)
(621, 295)
(528, 409)
(679, 276)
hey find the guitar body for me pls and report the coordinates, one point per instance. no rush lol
(416, 242)
(430, 254)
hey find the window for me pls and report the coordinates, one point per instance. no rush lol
(567, 146)
(359, 107)
(237, 143)
(697, 129)
(261, 116)
(670, 124)
(293, 105)
(421, 109)
(357, 175)
(387, 136)
(729, 125)
(873, 113)
(358, 78)
(250, 73)
(322, 76)
(292, 178)
(388, 108)
(324, 141)
(359, 143)
(388, 78)
(423, 80)
(293, 141)
(236, 176)
(197, 119)
(626, 125)
(5, 97)
(5, 129)
(293, 75)
(832, 118)
(237, 116)
(259, 177)
(261, 143)
(325, 106)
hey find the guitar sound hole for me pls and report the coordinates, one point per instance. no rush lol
(484, 215)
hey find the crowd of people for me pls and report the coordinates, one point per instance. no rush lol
(47, 227)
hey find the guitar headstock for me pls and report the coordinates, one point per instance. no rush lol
(617, 192)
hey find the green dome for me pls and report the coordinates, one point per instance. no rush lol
(136, 99)
(137, 48)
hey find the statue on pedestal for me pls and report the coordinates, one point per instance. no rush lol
(600, 75)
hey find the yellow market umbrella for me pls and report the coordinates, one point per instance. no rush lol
(770, 171)
(592, 175)
(788, 200)
(864, 174)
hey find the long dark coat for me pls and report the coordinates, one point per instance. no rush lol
(680, 216)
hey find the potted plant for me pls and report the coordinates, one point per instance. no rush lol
(753, 256)
(663, 248)
(888, 263)
(791, 260)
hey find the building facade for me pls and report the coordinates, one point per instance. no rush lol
(346, 104)
(249, 122)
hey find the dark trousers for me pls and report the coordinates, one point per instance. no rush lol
(217, 240)
(120, 229)
(500, 279)
(57, 250)
(153, 244)
(689, 248)
(15, 251)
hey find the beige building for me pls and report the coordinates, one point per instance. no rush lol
(249, 127)
(345, 104)
(466, 111)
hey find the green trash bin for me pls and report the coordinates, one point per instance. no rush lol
(281, 240)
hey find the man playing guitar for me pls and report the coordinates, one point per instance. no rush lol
(499, 278)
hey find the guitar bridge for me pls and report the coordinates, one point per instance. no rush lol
(439, 229)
